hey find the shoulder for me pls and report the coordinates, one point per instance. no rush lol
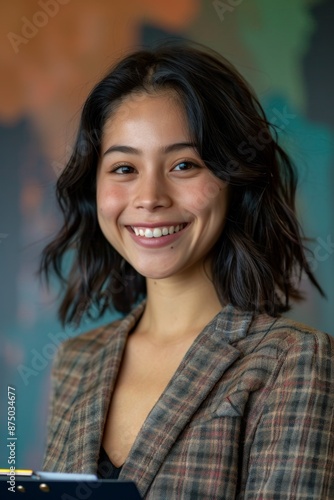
(92, 340)
(74, 354)
(92, 343)
(288, 331)
(291, 341)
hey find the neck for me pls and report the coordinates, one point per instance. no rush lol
(178, 308)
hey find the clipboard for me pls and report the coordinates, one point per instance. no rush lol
(30, 485)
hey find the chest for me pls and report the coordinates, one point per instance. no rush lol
(144, 374)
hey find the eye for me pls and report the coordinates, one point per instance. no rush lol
(184, 166)
(123, 169)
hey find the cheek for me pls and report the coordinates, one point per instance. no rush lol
(210, 197)
(109, 201)
(109, 207)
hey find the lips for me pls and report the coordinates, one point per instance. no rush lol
(158, 231)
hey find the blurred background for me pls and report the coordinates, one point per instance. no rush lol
(51, 54)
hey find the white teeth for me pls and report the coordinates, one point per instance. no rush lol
(148, 233)
(157, 232)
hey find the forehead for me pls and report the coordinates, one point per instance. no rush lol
(147, 113)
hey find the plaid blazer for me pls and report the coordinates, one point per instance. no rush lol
(249, 413)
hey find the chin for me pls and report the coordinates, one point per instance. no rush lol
(155, 275)
(154, 271)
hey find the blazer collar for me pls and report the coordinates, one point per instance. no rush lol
(203, 365)
(208, 358)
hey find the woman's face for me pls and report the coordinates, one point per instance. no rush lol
(158, 204)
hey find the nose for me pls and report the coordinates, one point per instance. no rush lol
(152, 193)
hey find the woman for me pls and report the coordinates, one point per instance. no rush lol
(174, 217)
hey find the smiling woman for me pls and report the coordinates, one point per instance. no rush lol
(204, 389)
(149, 182)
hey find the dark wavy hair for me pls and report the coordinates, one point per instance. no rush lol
(258, 261)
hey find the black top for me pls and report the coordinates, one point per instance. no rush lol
(105, 468)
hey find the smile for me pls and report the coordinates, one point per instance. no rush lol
(157, 232)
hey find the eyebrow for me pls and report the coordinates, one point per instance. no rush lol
(166, 149)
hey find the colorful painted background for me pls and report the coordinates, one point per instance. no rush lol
(51, 54)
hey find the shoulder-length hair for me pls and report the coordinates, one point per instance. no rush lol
(258, 261)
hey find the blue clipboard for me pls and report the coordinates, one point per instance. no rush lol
(29, 485)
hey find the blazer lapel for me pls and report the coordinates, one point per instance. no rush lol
(204, 364)
(91, 404)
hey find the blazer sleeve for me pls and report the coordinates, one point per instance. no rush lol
(53, 407)
(292, 453)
